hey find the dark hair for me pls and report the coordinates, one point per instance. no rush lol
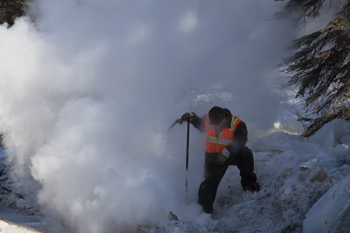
(216, 115)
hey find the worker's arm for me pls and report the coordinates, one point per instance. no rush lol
(198, 122)
(239, 140)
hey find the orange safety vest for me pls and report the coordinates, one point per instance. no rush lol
(214, 144)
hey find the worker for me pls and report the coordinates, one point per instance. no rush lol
(225, 145)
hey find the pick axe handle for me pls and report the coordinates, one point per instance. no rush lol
(187, 148)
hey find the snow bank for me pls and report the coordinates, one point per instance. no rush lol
(305, 188)
(304, 184)
(13, 221)
(329, 209)
(6, 226)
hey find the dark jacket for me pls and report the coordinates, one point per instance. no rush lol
(240, 134)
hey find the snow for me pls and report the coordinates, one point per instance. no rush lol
(332, 206)
(304, 184)
(14, 228)
(17, 222)
(305, 188)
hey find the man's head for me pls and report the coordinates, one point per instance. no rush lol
(216, 115)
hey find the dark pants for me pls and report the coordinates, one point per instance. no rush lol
(214, 172)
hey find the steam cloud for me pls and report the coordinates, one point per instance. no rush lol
(87, 96)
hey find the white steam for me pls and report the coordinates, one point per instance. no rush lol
(87, 96)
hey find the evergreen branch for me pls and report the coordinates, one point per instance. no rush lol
(300, 9)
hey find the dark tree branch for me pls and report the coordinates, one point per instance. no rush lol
(10, 10)
(320, 66)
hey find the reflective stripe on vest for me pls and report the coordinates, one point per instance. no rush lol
(233, 121)
(224, 142)
(212, 139)
(220, 141)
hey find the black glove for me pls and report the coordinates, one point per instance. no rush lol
(185, 117)
(221, 159)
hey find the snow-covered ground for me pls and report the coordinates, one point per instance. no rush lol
(14, 221)
(20, 212)
(305, 188)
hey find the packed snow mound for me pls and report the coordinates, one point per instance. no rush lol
(303, 182)
(332, 206)
(6, 226)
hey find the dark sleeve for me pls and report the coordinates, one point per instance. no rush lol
(198, 122)
(239, 140)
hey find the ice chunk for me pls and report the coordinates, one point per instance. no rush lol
(340, 129)
(317, 174)
(321, 134)
(345, 139)
(339, 151)
(306, 150)
(328, 142)
(308, 165)
(329, 164)
(275, 142)
(331, 207)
